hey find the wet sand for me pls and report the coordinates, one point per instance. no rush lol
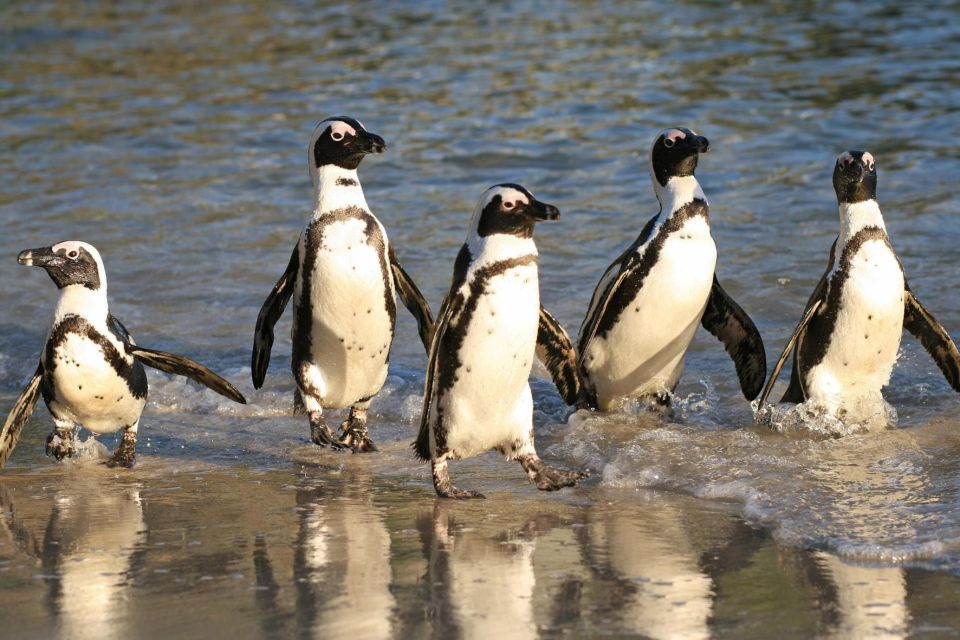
(357, 546)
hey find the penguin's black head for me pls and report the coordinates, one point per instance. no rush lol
(510, 209)
(855, 177)
(343, 142)
(675, 153)
(67, 263)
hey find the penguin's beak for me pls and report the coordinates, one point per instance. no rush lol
(37, 257)
(537, 210)
(366, 142)
(703, 145)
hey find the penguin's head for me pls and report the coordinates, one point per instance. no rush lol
(68, 263)
(512, 210)
(343, 142)
(675, 153)
(855, 177)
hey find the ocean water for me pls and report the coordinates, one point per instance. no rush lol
(173, 136)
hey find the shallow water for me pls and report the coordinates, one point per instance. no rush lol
(172, 137)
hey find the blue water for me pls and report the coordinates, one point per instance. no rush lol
(173, 138)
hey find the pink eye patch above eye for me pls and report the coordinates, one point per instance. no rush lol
(341, 128)
(674, 134)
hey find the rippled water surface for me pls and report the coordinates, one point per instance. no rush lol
(172, 137)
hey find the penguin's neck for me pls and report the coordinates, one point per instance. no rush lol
(679, 191)
(500, 246)
(857, 216)
(90, 304)
(337, 188)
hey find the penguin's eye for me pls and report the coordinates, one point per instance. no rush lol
(870, 165)
(669, 142)
(508, 205)
(73, 254)
(336, 135)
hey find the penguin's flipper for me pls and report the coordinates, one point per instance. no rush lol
(795, 384)
(413, 300)
(726, 320)
(608, 286)
(934, 338)
(559, 357)
(270, 312)
(181, 366)
(447, 310)
(19, 414)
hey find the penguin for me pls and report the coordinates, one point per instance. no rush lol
(847, 340)
(91, 371)
(645, 309)
(343, 277)
(491, 324)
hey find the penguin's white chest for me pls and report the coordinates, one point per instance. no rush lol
(866, 338)
(87, 389)
(350, 325)
(489, 403)
(643, 351)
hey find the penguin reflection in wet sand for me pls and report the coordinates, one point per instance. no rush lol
(846, 343)
(91, 371)
(647, 305)
(344, 278)
(477, 393)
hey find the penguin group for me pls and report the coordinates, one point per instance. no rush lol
(344, 278)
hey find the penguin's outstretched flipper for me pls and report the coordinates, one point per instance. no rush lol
(181, 366)
(270, 312)
(726, 320)
(19, 414)
(421, 446)
(413, 300)
(795, 384)
(557, 354)
(931, 334)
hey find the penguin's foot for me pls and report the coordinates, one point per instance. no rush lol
(445, 488)
(353, 432)
(320, 433)
(549, 478)
(126, 453)
(60, 444)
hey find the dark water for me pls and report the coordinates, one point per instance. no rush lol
(172, 137)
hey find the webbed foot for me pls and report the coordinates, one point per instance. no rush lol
(126, 454)
(60, 444)
(443, 486)
(353, 432)
(549, 478)
(320, 433)
(450, 491)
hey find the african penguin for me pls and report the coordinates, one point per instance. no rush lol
(846, 343)
(91, 371)
(477, 395)
(646, 307)
(344, 278)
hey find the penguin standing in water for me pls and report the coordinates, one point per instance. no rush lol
(477, 393)
(647, 305)
(846, 343)
(91, 371)
(344, 278)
